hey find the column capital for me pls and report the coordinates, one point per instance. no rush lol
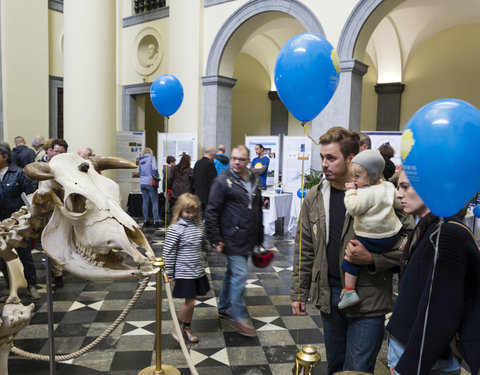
(218, 81)
(389, 88)
(353, 66)
(273, 95)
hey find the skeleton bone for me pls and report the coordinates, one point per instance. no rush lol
(87, 223)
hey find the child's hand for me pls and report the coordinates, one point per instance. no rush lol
(170, 281)
(351, 185)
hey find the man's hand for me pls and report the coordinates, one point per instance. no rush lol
(298, 308)
(358, 254)
(218, 248)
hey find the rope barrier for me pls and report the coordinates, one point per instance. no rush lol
(186, 354)
(66, 357)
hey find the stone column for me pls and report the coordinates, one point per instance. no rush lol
(217, 110)
(345, 108)
(389, 105)
(278, 115)
(89, 75)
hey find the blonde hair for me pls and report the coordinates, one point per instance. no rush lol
(147, 150)
(187, 201)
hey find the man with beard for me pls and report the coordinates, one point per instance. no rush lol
(353, 336)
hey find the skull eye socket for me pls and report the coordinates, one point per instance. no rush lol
(76, 203)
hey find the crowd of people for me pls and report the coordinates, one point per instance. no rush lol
(13, 183)
(355, 232)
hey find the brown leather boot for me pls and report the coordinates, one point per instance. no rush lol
(189, 335)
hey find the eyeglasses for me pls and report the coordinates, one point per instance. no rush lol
(233, 158)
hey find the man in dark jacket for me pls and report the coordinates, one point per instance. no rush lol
(234, 227)
(12, 184)
(204, 173)
(23, 154)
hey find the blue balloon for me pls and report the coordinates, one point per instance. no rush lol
(166, 94)
(476, 211)
(441, 155)
(307, 72)
(301, 192)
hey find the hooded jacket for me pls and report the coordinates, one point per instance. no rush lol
(221, 162)
(23, 155)
(147, 166)
(233, 215)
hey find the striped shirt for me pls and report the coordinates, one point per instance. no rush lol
(184, 250)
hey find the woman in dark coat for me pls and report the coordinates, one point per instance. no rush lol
(181, 179)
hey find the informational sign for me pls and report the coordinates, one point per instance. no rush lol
(297, 151)
(175, 144)
(394, 139)
(129, 146)
(271, 145)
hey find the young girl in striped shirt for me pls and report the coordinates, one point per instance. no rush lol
(184, 252)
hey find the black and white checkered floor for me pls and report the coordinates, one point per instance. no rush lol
(84, 309)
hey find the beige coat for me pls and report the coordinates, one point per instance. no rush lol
(374, 284)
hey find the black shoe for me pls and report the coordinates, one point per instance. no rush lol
(146, 225)
(157, 225)
(58, 281)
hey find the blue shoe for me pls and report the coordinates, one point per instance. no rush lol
(348, 298)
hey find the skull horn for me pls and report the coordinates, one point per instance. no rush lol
(101, 163)
(38, 171)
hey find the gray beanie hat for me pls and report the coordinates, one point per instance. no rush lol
(372, 161)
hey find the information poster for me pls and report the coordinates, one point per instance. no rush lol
(394, 139)
(271, 145)
(296, 151)
(175, 144)
(129, 146)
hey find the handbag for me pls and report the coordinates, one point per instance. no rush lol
(153, 178)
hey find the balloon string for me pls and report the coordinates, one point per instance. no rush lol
(305, 130)
(437, 232)
(165, 183)
(300, 233)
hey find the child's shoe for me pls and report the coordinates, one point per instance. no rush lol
(189, 335)
(348, 298)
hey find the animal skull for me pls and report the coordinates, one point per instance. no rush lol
(88, 228)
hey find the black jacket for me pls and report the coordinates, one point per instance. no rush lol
(233, 216)
(204, 173)
(23, 155)
(454, 303)
(14, 183)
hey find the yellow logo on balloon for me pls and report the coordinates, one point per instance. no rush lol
(258, 165)
(407, 143)
(335, 60)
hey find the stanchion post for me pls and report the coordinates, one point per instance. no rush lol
(51, 334)
(158, 368)
(307, 359)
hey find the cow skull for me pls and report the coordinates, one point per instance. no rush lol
(88, 229)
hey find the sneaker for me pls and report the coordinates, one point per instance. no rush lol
(58, 281)
(157, 225)
(225, 315)
(244, 327)
(348, 298)
(33, 293)
(146, 225)
(189, 335)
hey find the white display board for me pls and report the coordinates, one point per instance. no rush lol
(129, 146)
(175, 144)
(394, 139)
(293, 155)
(271, 145)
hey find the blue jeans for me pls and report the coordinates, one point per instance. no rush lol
(351, 344)
(149, 193)
(233, 288)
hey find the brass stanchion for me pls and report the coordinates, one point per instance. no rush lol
(158, 368)
(307, 359)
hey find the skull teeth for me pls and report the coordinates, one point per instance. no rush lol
(91, 257)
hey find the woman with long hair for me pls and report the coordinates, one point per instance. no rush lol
(181, 179)
(147, 166)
